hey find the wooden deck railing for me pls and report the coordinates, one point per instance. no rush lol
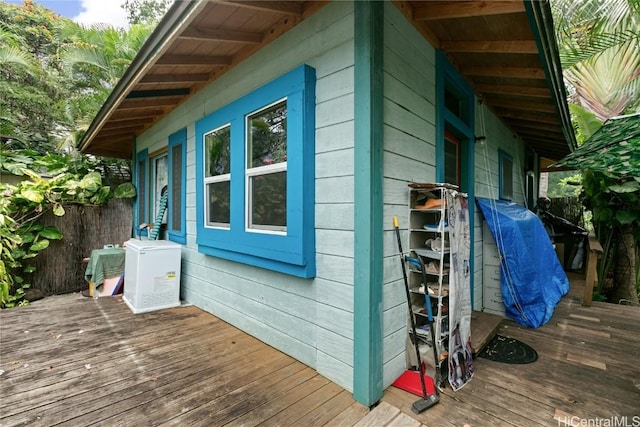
(595, 252)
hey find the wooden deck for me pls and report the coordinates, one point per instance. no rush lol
(588, 367)
(75, 361)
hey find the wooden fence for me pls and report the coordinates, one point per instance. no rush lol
(59, 268)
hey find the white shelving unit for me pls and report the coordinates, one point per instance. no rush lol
(429, 240)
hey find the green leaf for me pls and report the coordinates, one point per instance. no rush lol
(28, 237)
(58, 210)
(29, 269)
(32, 195)
(51, 233)
(91, 182)
(626, 217)
(39, 245)
(126, 190)
(101, 196)
(627, 187)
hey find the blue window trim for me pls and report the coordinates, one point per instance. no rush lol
(502, 155)
(293, 253)
(178, 138)
(142, 156)
(446, 74)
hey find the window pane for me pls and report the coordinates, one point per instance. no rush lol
(507, 177)
(217, 145)
(269, 201)
(451, 162)
(141, 192)
(176, 187)
(161, 175)
(218, 206)
(267, 139)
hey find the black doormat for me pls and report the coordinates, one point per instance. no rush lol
(508, 350)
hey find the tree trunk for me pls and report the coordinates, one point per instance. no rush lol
(624, 282)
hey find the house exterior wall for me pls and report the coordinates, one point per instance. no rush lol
(312, 319)
(309, 319)
(498, 137)
(410, 156)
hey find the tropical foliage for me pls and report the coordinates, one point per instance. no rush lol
(49, 183)
(600, 51)
(55, 75)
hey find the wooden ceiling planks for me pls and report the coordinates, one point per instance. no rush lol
(491, 43)
(493, 46)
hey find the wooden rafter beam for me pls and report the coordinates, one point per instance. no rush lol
(518, 104)
(145, 103)
(533, 125)
(220, 35)
(428, 11)
(124, 123)
(538, 133)
(194, 60)
(157, 93)
(531, 116)
(129, 130)
(126, 115)
(490, 46)
(174, 78)
(497, 71)
(538, 92)
(288, 7)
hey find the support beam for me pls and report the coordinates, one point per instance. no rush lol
(368, 202)
(157, 93)
(111, 124)
(220, 35)
(145, 103)
(521, 104)
(538, 92)
(490, 46)
(428, 11)
(497, 71)
(523, 115)
(126, 115)
(174, 78)
(290, 7)
(194, 60)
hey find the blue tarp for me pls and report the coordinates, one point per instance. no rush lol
(533, 280)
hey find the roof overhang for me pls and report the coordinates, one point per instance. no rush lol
(504, 49)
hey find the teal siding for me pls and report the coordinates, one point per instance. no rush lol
(310, 319)
(367, 382)
(409, 156)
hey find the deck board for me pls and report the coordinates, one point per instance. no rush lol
(566, 379)
(75, 361)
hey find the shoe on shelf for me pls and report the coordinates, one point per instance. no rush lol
(432, 204)
(436, 244)
(434, 268)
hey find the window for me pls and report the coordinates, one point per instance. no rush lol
(141, 184)
(255, 177)
(177, 193)
(267, 168)
(505, 175)
(160, 171)
(451, 159)
(454, 163)
(217, 146)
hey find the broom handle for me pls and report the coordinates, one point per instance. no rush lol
(413, 323)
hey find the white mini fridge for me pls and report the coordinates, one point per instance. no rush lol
(151, 275)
